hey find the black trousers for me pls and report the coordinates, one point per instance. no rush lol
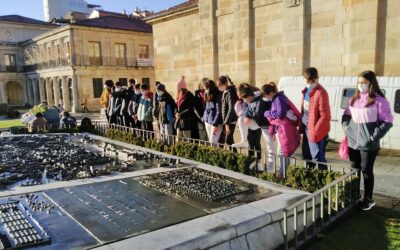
(149, 127)
(229, 137)
(364, 162)
(254, 138)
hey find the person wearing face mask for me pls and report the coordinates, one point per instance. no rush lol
(145, 109)
(129, 92)
(283, 118)
(229, 99)
(105, 98)
(134, 105)
(366, 119)
(255, 120)
(316, 117)
(212, 116)
(166, 106)
(199, 106)
(184, 112)
(116, 103)
(240, 108)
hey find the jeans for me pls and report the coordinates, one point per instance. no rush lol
(271, 148)
(320, 157)
(213, 137)
(254, 137)
(364, 162)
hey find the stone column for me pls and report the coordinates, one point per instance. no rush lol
(50, 98)
(36, 91)
(2, 92)
(28, 88)
(42, 89)
(75, 104)
(32, 86)
(244, 41)
(209, 42)
(65, 87)
(56, 86)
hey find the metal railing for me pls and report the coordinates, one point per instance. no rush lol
(321, 210)
(102, 127)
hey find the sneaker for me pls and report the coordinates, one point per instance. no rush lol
(367, 204)
(243, 144)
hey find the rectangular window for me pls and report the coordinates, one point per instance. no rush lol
(143, 51)
(120, 54)
(10, 63)
(347, 94)
(95, 53)
(397, 102)
(146, 81)
(97, 87)
(124, 81)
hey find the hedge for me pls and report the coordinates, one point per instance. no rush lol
(305, 179)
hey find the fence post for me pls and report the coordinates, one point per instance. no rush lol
(305, 220)
(285, 230)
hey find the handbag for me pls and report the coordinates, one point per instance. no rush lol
(344, 149)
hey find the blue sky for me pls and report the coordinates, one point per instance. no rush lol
(34, 8)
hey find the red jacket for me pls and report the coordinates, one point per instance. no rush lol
(319, 113)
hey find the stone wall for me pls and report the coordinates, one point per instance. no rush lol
(261, 40)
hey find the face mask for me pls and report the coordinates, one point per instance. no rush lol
(118, 88)
(311, 85)
(363, 87)
(222, 89)
(160, 93)
(266, 99)
(137, 91)
(144, 92)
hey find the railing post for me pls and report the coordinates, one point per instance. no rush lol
(337, 197)
(313, 216)
(305, 223)
(329, 203)
(295, 226)
(285, 233)
(322, 209)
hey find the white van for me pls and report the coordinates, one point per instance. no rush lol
(340, 89)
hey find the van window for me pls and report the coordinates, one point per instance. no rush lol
(347, 94)
(397, 101)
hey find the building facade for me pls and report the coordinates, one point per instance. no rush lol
(70, 63)
(261, 40)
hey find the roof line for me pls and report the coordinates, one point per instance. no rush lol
(155, 18)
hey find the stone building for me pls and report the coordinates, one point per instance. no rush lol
(72, 61)
(261, 40)
(13, 30)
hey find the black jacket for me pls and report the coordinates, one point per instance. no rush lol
(199, 106)
(128, 93)
(186, 111)
(229, 98)
(115, 106)
(134, 104)
(256, 110)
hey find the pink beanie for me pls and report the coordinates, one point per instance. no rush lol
(181, 84)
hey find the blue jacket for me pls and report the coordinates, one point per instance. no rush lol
(212, 113)
(256, 110)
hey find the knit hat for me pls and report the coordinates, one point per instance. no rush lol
(161, 87)
(181, 84)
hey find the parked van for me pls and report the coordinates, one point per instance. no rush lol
(340, 89)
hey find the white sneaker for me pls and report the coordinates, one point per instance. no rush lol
(243, 144)
(260, 167)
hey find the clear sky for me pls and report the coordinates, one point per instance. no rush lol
(34, 8)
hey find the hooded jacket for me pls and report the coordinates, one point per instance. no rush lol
(166, 107)
(366, 125)
(229, 99)
(146, 107)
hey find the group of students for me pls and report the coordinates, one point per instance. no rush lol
(215, 109)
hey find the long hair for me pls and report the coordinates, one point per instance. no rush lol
(225, 79)
(373, 91)
(269, 87)
(213, 91)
